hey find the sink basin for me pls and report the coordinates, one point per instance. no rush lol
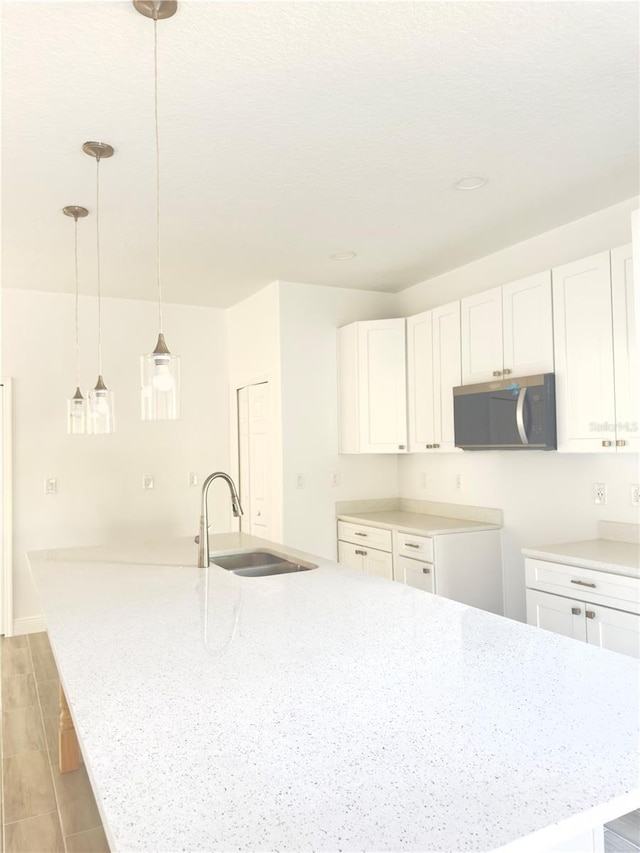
(256, 564)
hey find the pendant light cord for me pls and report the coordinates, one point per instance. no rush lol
(75, 233)
(155, 91)
(98, 256)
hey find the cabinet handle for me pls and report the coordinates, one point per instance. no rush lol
(606, 443)
(428, 446)
(436, 445)
(357, 533)
(410, 545)
(362, 553)
(590, 614)
(426, 571)
(506, 371)
(401, 447)
(497, 373)
(620, 442)
(584, 583)
(576, 611)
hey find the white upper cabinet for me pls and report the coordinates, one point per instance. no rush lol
(596, 351)
(482, 336)
(527, 326)
(373, 387)
(625, 350)
(433, 370)
(508, 331)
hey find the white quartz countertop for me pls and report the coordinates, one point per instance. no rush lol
(327, 710)
(417, 522)
(604, 555)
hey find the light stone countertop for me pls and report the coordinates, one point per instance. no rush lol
(417, 522)
(602, 555)
(327, 710)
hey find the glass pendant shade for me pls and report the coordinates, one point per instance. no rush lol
(100, 410)
(76, 414)
(160, 384)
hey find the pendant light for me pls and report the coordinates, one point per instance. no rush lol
(76, 405)
(160, 370)
(100, 409)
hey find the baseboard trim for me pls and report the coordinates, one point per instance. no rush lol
(28, 625)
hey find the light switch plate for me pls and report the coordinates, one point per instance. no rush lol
(51, 486)
(147, 481)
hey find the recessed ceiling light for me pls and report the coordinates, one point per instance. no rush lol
(471, 182)
(344, 255)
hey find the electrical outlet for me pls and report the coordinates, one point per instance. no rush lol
(147, 481)
(50, 486)
(335, 478)
(300, 481)
(635, 494)
(599, 493)
(459, 482)
(423, 479)
(193, 479)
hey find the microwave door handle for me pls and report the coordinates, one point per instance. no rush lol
(522, 393)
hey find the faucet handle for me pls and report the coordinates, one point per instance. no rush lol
(196, 538)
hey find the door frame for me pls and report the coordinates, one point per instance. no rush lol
(6, 531)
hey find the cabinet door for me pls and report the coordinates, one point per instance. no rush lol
(382, 386)
(378, 563)
(481, 316)
(527, 323)
(583, 345)
(555, 613)
(414, 573)
(351, 556)
(625, 350)
(447, 372)
(613, 630)
(420, 381)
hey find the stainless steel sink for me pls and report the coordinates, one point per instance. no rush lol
(255, 564)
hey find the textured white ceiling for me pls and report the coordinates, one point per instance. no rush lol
(291, 130)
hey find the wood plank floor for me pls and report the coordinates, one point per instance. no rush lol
(43, 811)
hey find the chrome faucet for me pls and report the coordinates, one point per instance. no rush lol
(203, 538)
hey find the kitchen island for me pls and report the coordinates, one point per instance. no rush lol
(326, 710)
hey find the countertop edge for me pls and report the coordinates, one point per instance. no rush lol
(474, 526)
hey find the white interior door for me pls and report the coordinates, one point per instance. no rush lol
(253, 444)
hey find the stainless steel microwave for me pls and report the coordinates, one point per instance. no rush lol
(509, 414)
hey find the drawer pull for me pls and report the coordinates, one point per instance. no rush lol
(497, 373)
(362, 553)
(620, 442)
(436, 446)
(429, 446)
(606, 443)
(360, 534)
(576, 611)
(584, 583)
(426, 570)
(401, 447)
(410, 545)
(590, 614)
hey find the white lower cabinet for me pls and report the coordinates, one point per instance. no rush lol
(464, 566)
(577, 613)
(414, 573)
(366, 549)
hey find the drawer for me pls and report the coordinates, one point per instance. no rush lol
(413, 546)
(416, 573)
(606, 588)
(361, 534)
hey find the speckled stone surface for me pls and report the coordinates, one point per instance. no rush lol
(603, 555)
(327, 710)
(417, 522)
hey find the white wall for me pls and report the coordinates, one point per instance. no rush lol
(309, 317)
(602, 230)
(254, 356)
(546, 497)
(100, 496)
